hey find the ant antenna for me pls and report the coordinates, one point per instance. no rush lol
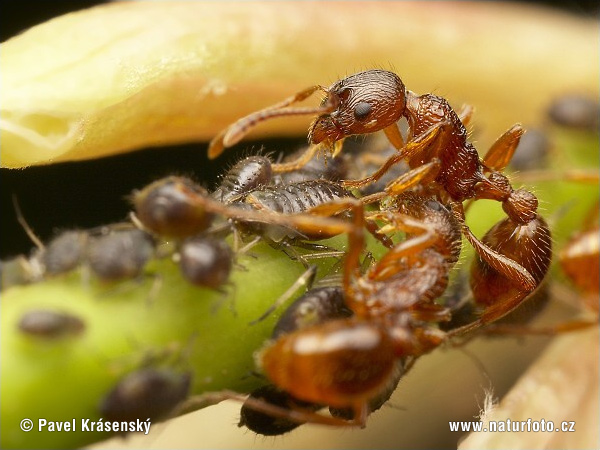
(235, 133)
(28, 230)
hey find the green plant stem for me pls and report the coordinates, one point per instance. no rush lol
(161, 320)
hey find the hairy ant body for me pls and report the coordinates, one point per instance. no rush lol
(315, 307)
(393, 301)
(349, 363)
(437, 144)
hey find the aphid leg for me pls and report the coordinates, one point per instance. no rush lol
(304, 280)
(157, 282)
(290, 252)
(436, 135)
(243, 250)
(296, 415)
(502, 151)
(394, 136)
(28, 230)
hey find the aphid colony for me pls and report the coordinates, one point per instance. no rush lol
(344, 346)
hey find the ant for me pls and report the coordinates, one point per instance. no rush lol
(439, 150)
(345, 363)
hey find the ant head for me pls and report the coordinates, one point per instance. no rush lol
(364, 103)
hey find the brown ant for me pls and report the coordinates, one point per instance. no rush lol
(346, 362)
(437, 143)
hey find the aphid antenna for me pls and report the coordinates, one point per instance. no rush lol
(23, 222)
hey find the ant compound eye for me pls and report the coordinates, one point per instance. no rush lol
(362, 110)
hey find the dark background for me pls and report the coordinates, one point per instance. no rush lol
(90, 193)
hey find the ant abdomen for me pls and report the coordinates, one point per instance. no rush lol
(342, 363)
(245, 176)
(529, 245)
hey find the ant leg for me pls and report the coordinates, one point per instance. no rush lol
(506, 266)
(235, 132)
(499, 310)
(298, 163)
(565, 327)
(301, 221)
(424, 238)
(431, 312)
(436, 135)
(422, 174)
(502, 151)
(574, 175)
(394, 136)
(306, 279)
(295, 415)
(373, 229)
(466, 114)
